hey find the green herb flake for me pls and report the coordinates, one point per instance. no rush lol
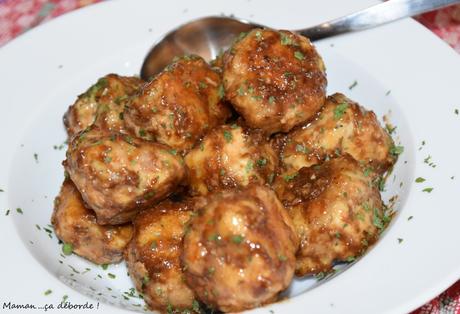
(396, 150)
(173, 151)
(290, 177)
(456, 111)
(410, 218)
(271, 100)
(286, 40)
(145, 280)
(48, 292)
(367, 172)
(7, 212)
(1, 190)
(154, 244)
(390, 128)
(221, 91)
(201, 147)
(111, 276)
(420, 180)
(261, 162)
(353, 85)
(36, 157)
(154, 109)
(211, 270)
(67, 248)
(377, 221)
(213, 237)
(299, 55)
(388, 92)
(19, 210)
(228, 136)
(202, 85)
(105, 266)
(427, 190)
(249, 166)
(222, 172)
(350, 259)
(340, 110)
(259, 35)
(234, 126)
(196, 306)
(400, 240)
(241, 90)
(237, 239)
(271, 177)
(301, 149)
(282, 257)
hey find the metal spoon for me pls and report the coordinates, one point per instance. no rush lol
(209, 36)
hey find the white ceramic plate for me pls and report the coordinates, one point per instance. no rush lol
(43, 71)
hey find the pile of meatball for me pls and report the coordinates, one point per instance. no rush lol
(218, 183)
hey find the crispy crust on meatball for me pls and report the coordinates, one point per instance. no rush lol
(342, 126)
(240, 250)
(102, 104)
(274, 79)
(179, 105)
(75, 224)
(118, 175)
(230, 156)
(153, 255)
(337, 212)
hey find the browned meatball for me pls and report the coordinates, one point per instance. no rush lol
(275, 79)
(342, 126)
(153, 256)
(179, 105)
(103, 104)
(75, 224)
(230, 156)
(336, 210)
(240, 250)
(118, 175)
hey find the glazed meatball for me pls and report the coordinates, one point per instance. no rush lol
(75, 224)
(230, 156)
(342, 126)
(336, 210)
(103, 104)
(274, 79)
(240, 250)
(179, 105)
(118, 175)
(153, 256)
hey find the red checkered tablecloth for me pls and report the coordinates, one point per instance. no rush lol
(17, 16)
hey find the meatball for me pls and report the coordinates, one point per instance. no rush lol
(274, 79)
(230, 156)
(103, 104)
(118, 175)
(336, 210)
(153, 256)
(240, 250)
(342, 126)
(179, 105)
(74, 223)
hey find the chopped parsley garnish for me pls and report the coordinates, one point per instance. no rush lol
(282, 257)
(48, 292)
(396, 150)
(427, 190)
(105, 266)
(259, 35)
(410, 218)
(271, 177)
(202, 85)
(234, 126)
(154, 244)
(221, 91)
(340, 110)
(1, 190)
(388, 92)
(201, 147)
(67, 248)
(145, 280)
(456, 111)
(289, 177)
(7, 212)
(142, 133)
(241, 90)
(420, 180)
(36, 157)
(211, 270)
(299, 55)
(301, 149)
(367, 172)
(149, 195)
(286, 40)
(237, 239)
(353, 85)
(249, 165)
(400, 240)
(261, 162)
(377, 221)
(228, 136)
(173, 151)
(213, 237)
(390, 128)
(19, 210)
(350, 259)
(111, 276)
(271, 100)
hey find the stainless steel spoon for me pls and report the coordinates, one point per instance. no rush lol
(209, 36)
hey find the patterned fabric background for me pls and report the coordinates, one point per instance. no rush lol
(18, 16)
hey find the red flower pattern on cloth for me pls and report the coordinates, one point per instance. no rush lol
(18, 16)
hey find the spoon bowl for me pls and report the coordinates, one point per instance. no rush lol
(209, 36)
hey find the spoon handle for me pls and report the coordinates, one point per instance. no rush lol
(376, 15)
